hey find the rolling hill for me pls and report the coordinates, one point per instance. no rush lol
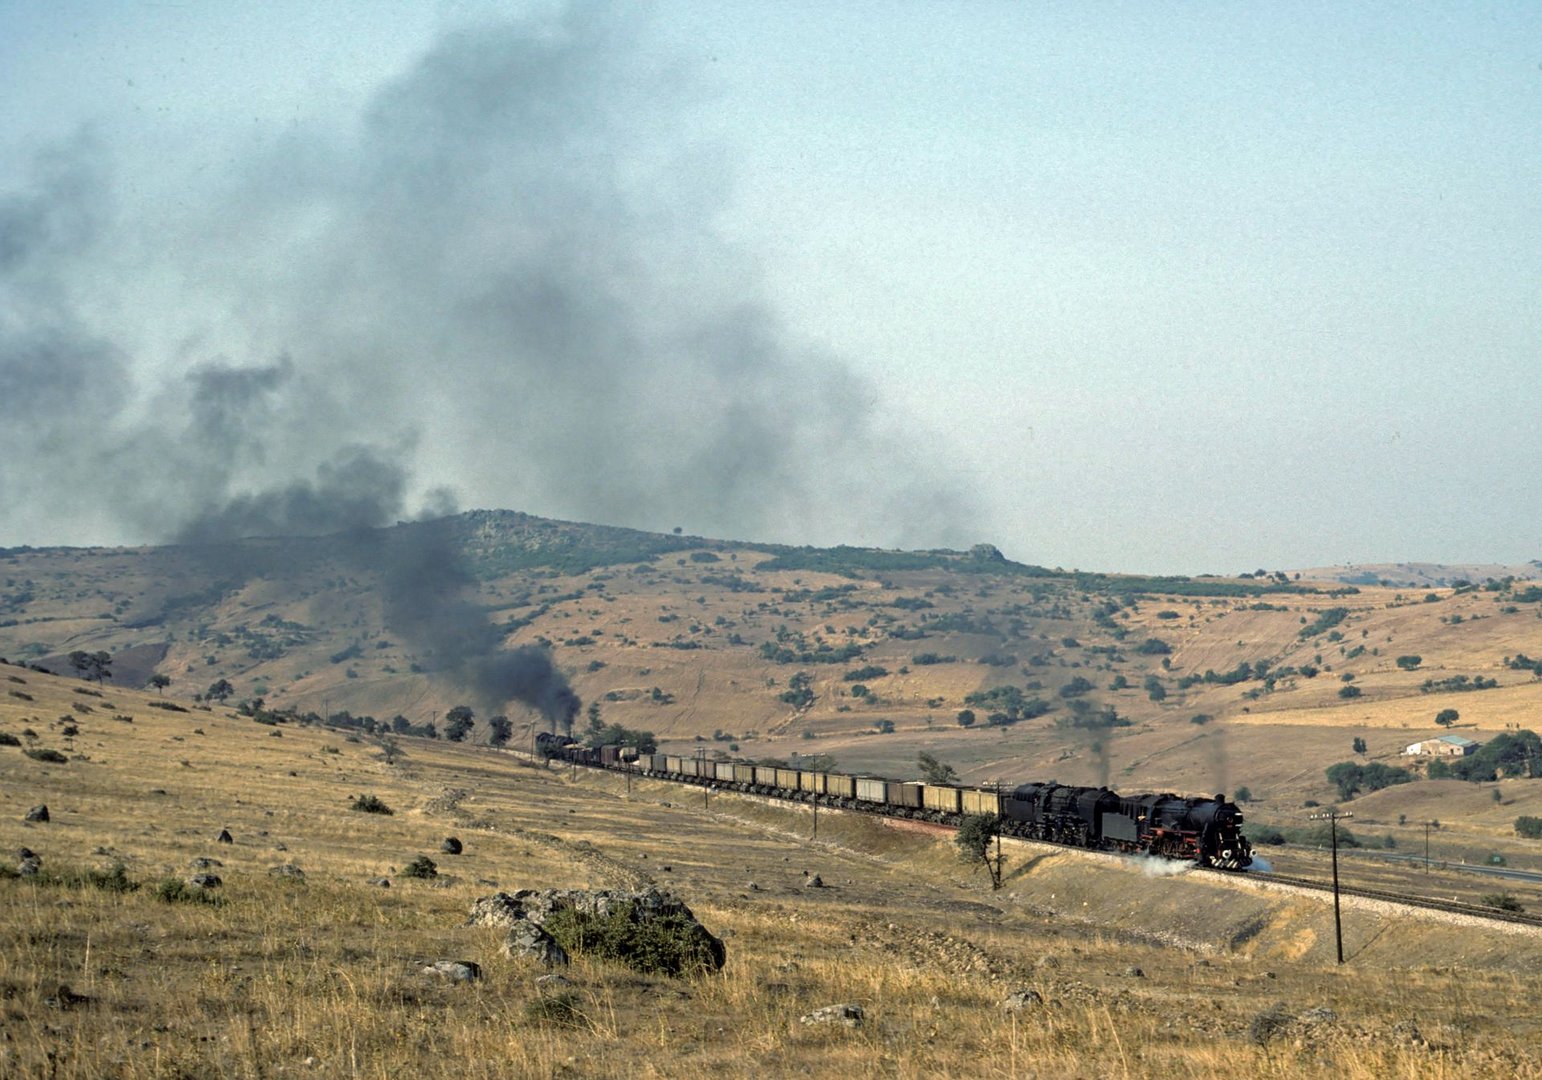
(864, 656)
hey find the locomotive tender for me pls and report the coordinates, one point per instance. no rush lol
(1206, 831)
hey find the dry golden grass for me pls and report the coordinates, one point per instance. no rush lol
(321, 976)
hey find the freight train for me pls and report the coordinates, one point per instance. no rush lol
(1206, 831)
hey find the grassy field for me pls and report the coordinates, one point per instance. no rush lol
(320, 974)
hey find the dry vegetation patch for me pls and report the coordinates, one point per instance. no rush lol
(322, 972)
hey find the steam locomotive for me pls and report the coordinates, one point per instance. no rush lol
(1206, 831)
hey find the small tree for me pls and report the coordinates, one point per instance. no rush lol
(1446, 717)
(88, 665)
(159, 681)
(219, 690)
(501, 730)
(975, 834)
(1358, 745)
(966, 718)
(934, 771)
(458, 723)
(1243, 794)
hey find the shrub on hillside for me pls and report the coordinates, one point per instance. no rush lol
(176, 891)
(1529, 827)
(672, 944)
(53, 757)
(421, 867)
(369, 804)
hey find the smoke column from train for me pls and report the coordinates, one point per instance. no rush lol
(519, 228)
(1100, 759)
(1220, 771)
(424, 582)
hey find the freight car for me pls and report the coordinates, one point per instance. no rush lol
(1206, 831)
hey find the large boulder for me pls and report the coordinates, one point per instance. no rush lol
(527, 939)
(649, 930)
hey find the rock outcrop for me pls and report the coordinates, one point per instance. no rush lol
(649, 930)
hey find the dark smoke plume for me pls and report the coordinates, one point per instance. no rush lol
(424, 581)
(505, 275)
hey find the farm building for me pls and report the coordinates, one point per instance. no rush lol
(1443, 746)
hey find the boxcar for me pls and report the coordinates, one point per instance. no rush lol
(979, 801)
(902, 793)
(787, 778)
(673, 764)
(871, 789)
(940, 797)
(811, 781)
(724, 771)
(609, 755)
(840, 786)
(765, 775)
(744, 774)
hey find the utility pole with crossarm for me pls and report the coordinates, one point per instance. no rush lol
(1332, 817)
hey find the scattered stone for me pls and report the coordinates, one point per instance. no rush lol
(1047, 961)
(224, 837)
(1018, 1000)
(381, 883)
(205, 881)
(203, 862)
(65, 998)
(1133, 972)
(37, 813)
(289, 870)
(1268, 1024)
(1320, 1015)
(753, 887)
(1408, 1031)
(529, 940)
(280, 847)
(849, 1014)
(815, 882)
(23, 853)
(451, 846)
(31, 866)
(101, 851)
(461, 971)
(549, 981)
(1202, 962)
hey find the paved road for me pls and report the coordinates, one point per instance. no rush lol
(1472, 868)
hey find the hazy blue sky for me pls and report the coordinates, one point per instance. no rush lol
(1139, 287)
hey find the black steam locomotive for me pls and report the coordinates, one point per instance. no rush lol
(1207, 831)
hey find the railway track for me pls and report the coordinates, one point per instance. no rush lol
(1432, 903)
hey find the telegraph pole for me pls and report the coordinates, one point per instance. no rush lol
(1426, 847)
(1332, 817)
